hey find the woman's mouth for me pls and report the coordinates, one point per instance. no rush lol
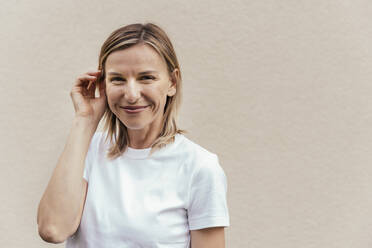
(134, 109)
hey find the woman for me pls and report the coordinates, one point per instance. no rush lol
(149, 185)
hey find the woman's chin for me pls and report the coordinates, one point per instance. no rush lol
(133, 126)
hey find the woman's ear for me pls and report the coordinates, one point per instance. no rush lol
(174, 77)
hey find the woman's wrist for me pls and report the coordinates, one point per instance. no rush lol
(85, 122)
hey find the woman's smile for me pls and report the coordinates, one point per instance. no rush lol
(134, 110)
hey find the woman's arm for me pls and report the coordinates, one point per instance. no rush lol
(213, 237)
(60, 208)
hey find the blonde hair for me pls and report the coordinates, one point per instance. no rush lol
(126, 37)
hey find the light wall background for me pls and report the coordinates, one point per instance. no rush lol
(280, 90)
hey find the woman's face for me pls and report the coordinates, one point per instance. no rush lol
(138, 76)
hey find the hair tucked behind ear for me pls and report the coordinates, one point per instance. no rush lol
(154, 36)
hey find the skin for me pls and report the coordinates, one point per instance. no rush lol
(128, 87)
(213, 237)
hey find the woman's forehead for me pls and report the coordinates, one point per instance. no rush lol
(137, 56)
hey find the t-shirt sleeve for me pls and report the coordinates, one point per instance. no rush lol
(207, 198)
(89, 157)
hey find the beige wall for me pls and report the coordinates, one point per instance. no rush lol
(279, 89)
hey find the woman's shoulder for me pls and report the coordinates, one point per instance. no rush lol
(196, 152)
(97, 137)
(98, 140)
(204, 164)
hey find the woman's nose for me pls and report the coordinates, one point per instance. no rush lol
(132, 91)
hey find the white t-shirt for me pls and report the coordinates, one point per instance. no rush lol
(153, 201)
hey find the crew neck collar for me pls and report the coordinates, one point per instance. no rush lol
(144, 153)
(137, 153)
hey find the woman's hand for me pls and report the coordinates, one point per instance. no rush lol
(83, 96)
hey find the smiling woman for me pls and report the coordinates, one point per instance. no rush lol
(140, 68)
(145, 184)
(137, 77)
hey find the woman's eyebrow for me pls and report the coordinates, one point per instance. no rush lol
(114, 73)
(141, 73)
(147, 72)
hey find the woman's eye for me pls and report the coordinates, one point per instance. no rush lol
(147, 77)
(116, 79)
(141, 78)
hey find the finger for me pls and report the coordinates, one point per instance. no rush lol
(84, 80)
(92, 89)
(90, 83)
(86, 77)
(94, 73)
